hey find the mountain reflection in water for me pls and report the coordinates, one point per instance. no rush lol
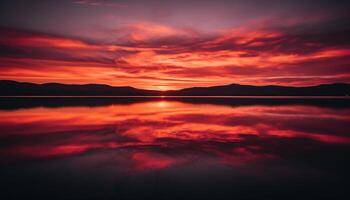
(174, 149)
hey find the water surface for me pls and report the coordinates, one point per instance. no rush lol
(154, 148)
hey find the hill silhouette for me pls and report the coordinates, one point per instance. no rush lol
(14, 88)
(336, 89)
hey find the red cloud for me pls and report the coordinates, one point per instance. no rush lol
(164, 54)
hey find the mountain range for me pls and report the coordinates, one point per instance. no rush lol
(14, 88)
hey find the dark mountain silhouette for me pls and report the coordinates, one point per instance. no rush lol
(336, 89)
(13, 88)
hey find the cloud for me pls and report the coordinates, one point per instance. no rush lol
(145, 31)
(105, 3)
(153, 52)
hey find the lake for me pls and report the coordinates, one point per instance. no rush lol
(174, 148)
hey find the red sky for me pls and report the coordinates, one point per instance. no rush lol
(170, 45)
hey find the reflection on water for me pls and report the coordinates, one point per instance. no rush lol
(167, 149)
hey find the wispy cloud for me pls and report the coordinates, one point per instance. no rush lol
(152, 55)
(107, 3)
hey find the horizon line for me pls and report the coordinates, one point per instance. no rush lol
(185, 97)
(102, 84)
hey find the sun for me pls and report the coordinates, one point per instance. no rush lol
(162, 88)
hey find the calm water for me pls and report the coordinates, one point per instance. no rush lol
(174, 148)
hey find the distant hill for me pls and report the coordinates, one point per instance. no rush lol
(336, 89)
(13, 88)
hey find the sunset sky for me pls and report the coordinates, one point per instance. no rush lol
(162, 45)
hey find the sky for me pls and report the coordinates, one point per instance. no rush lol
(166, 45)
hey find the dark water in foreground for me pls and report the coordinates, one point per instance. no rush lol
(111, 148)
